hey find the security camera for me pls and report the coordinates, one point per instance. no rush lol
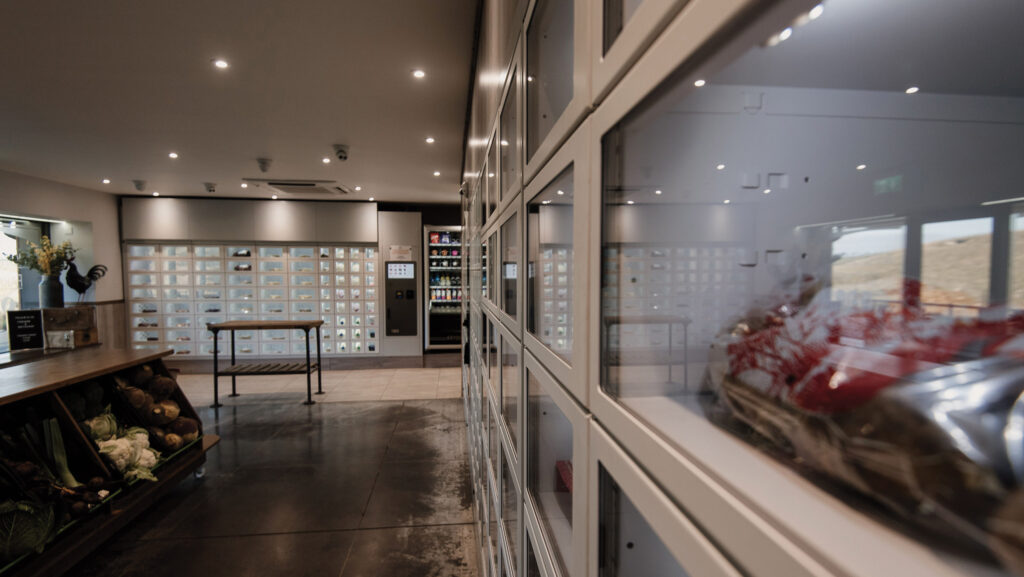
(210, 186)
(341, 151)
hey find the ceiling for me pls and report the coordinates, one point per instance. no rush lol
(107, 89)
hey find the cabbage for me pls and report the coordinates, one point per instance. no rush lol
(24, 527)
(102, 427)
(131, 455)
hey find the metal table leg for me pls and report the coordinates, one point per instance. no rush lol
(216, 371)
(319, 366)
(309, 377)
(234, 393)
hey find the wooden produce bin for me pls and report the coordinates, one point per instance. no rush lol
(44, 385)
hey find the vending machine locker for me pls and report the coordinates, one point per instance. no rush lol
(400, 298)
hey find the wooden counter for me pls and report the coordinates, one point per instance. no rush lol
(52, 372)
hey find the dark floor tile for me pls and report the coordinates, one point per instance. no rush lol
(434, 438)
(291, 555)
(452, 409)
(440, 551)
(420, 493)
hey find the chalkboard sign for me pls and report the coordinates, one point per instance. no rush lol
(25, 329)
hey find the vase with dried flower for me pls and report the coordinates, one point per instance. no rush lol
(48, 259)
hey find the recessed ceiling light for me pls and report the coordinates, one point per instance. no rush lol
(629, 202)
(430, 140)
(529, 78)
(700, 83)
(861, 166)
(504, 143)
(545, 202)
(371, 199)
(785, 34)
(720, 167)
(325, 160)
(658, 192)
(561, 192)
(726, 201)
(106, 181)
(767, 191)
(156, 194)
(437, 173)
(816, 12)
(245, 185)
(490, 175)
(912, 90)
(418, 73)
(273, 197)
(221, 63)
(358, 188)
(173, 155)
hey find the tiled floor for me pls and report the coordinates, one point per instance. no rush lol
(375, 487)
(338, 386)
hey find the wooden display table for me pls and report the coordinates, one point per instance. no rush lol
(236, 369)
(45, 378)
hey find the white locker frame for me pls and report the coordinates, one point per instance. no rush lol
(516, 469)
(512, 210)
(575, 153)
(578, 105)
(689, 546)
(540, 548)
(771, 520)
(505, 434)
(514, 80)
(580, 422)
(637, 34)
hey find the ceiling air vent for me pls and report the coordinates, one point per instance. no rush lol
(291, 186)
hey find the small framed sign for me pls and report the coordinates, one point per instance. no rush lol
(25, 329)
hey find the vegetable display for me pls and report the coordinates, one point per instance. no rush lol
(152, 398)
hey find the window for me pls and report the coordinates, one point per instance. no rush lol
(510, 264)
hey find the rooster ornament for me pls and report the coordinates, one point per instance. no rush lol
(80, 282)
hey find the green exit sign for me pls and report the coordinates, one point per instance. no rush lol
(889, 184)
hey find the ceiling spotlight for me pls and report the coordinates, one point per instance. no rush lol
(561, 192)
(430, 140)
(418, 73)
(106, 181)
(221, 63)
(912, 90)
(173, 155)
(545, 202)
(371, 199)
(273, 197)
(629, 202)
(720, 167)
(504, 143)
(437, 173)
(358, 188)
(726, 201)
(816, 12)
(785, 34)
(156, 194)
(325, 160)
(861, 166)
(245, 185)
(700, 83)
(767, 191)
(490, 175)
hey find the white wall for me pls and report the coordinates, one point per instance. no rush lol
(29, 196)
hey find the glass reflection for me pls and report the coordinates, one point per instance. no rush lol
(806, 256)
(549, 286)
(549, 63)
(549, 469)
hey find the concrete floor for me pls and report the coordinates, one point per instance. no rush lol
(367, 488)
